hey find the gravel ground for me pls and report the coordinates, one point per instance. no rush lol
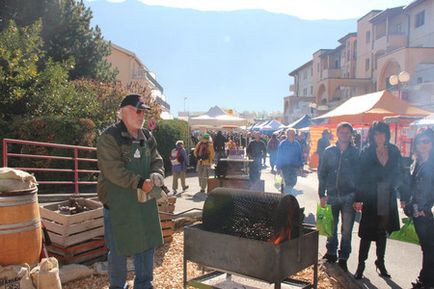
(168, 271)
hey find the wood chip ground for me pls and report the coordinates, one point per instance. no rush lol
(168, 271)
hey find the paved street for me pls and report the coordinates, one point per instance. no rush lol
(403, 260)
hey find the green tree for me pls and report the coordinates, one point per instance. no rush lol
(66, 32)
(20, 76)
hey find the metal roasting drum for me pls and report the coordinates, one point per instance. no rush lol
(237, 232)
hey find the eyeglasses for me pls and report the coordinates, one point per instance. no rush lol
(423, 141)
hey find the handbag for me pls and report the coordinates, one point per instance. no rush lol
(324, 220)
(278, 180)
(407, 233)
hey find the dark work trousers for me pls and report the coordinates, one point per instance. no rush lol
(255, 169)
(425, 231)
(380, 241)
(290, 175)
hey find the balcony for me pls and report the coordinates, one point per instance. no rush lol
(161, 102)
(390, 42)
(331, 73)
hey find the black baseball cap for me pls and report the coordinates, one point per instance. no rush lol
(135, 100)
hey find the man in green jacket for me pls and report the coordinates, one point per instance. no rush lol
(128, 186)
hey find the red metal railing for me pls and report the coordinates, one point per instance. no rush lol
(76, 159)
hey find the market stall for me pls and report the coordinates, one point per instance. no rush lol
(216, 118)
(361, 111)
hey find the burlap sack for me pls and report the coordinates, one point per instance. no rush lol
(73, 272)
(15, 276)
(15, 180)
(46, 275)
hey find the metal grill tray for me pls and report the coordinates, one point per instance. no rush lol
(251, 258)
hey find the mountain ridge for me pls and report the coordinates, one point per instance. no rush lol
(234, 59)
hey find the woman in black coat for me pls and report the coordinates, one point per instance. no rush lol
(380, 178)
(421, 203)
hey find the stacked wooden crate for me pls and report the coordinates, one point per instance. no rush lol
(77, 238)
(167, 221)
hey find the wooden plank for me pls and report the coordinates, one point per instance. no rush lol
(54, 227)
(171, 200)
(164, 217)
(80, 258)
(51, 212)
(66, 241)
(77, 249)
(168, 225)
(166, 208)
(85, 226)
(168, 239)
(168, 232)
(52, 215)
(81, 217)
(66, 230)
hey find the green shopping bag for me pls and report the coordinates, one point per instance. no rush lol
(278, 180)
(324, 220)
(407, 233)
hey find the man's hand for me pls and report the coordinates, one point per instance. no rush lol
(157, 179)
(147, 186)
(323, 202)
(358, 206)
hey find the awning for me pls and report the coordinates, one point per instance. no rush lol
(373, 106)
(216, 118)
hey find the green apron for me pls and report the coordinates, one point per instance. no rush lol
(136, 226)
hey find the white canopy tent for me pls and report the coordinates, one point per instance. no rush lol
(216, 118)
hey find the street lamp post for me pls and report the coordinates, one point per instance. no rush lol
(398, 80)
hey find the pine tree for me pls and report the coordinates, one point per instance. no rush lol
(66, 32)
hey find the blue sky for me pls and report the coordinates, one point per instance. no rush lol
(238, 59)
(304, 9)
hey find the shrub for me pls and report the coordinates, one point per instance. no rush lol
(167, 133)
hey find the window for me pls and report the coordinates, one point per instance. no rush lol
(311, 90)
(304, 91)
(419, 80)
(317, 67)
(336, 64)
(420, 19)
(311, 71)
(304, 74)
(366, 64)
(398, 28)
(368, 36)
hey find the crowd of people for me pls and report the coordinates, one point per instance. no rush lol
(351, 179)
(370, 182)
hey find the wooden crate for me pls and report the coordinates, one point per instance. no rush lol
(68, 230)
(167, 207)
(85, 252)
(167, 223)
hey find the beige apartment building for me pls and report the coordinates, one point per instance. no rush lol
(386, 43)
(301, 102)
(131, 70)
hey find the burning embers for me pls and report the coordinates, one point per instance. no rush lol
(253, 215)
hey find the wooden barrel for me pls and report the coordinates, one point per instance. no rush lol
(20, 228)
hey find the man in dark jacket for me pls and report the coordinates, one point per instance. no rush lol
(322, 144)
(337, 186)
(219, 146)
(256, 150)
